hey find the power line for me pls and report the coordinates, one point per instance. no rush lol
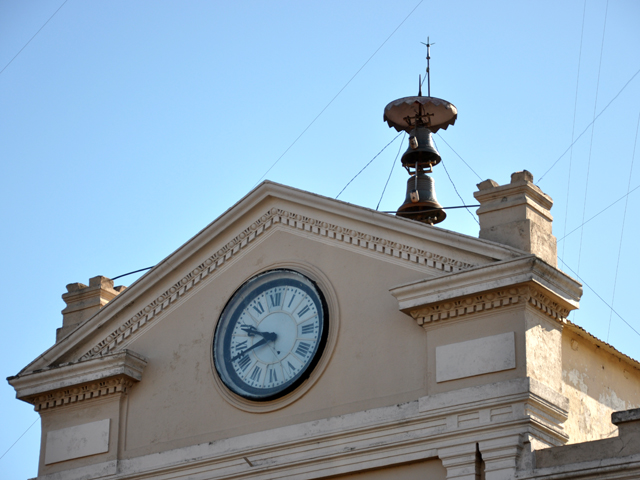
(389, 177)
(463, 161)
(336, 95)
(624, 216)
(426, 210)
(23, 434)
(587, 127)
(458, 193)
(595, 103)
(600, 212)
(131, 273)
(596, 293)
(34, 36)
(454, 185)
(369, 163)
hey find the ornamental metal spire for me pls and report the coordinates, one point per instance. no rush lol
(420, 117)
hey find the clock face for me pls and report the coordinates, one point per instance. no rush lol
(270, 335)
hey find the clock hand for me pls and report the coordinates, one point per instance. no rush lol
(268, 337)
(249, 329)
(252, 331)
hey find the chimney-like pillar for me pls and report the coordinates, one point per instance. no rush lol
(518, 215)
(84, 301)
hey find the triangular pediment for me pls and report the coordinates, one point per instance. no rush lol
(270, 207)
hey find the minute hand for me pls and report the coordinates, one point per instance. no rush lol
(268, 337)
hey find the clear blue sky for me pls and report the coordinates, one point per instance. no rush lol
(126, 127)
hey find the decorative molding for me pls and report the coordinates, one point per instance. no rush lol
(274, 217)
(79, 393)
(490, 301)
(491, 277)
(546, 305)
(76, 382)
(439, 425)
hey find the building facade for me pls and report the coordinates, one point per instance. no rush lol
(420, 353)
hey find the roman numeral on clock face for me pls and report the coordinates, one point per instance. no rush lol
(259, 308)
(291, 301)
(307, 329)
(292, 369)
(275, 299)
(243, 363)
(255, 374)
(240, 346)
(303, 311)
(303, 348)
(273, 376)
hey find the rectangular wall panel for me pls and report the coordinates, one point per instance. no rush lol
(475, 357)
(76, 442)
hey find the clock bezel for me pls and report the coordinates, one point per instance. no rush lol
(236, 304)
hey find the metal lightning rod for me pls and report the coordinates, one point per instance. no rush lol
(428, 44)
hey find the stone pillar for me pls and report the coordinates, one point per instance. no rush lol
(500, 457)
(518, 215)
(460, 461)
(84, 301)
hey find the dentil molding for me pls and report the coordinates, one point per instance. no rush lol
(490, 301)
(524, 280)
(279, 218)
(81, 381)
(119, 385)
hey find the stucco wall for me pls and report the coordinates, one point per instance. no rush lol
(596, 383)
(380, 357)
(70, 416)
(543, 340)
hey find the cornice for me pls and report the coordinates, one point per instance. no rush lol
(495, 276)
(496, 414)
(273, 218)
(490, 300)
(492, 197)
(460, 400)
(84, 379)
(108, 387)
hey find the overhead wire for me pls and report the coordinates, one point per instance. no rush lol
(595, 104)
(34, 36)
(23, 434)
(339, 92)
(588, 125)
(389, 177)
(573, 126)
(624, 216)
(426, 209)
(131, 273)
(458, 193)
(463, 160)
(599, 213)
(454, 186)
(596, 293)
(368, 163)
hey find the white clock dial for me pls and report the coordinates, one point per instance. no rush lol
(270, 335)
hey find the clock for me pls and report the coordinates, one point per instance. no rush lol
(270, 335)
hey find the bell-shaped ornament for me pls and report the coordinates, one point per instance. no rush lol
(421, 204)
(421, 151)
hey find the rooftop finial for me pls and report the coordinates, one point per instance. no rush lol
(428, 44)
